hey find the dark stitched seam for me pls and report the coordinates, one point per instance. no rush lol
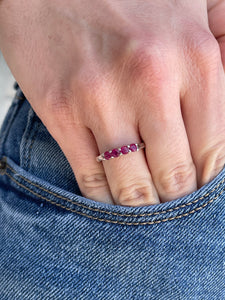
(110, 221)
(113, 213)
(25, 160)
(31, 145)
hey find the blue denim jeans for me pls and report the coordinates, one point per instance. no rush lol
(56, 244)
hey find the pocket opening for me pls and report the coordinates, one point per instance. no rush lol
(143, 215)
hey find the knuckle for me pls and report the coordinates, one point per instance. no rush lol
(93, 96)
(134, 195)
(177, 180)
(93, 182)
(205, 48)
(59, 108)
(59, 102)
(147, 62)
(214, 161)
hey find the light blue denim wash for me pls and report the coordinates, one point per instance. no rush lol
(56, 244)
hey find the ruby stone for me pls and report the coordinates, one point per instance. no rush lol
(115, 152)
(124, 149)
(133, 147)
(107, 155)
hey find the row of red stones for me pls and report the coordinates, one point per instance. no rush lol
(117, 152)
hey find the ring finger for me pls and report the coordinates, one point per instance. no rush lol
(128, 175)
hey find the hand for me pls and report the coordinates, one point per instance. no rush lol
(103, 74)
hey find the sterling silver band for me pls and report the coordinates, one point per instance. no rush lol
(123, 150)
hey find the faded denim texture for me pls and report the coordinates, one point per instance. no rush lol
(56, 244)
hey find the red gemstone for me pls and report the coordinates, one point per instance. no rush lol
(107, 155)
(124, 149)
(115, 152)
(133, 147)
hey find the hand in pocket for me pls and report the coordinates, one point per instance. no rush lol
(101, 75)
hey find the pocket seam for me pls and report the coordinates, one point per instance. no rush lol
(113, 213)
(111, 221)
(119, 214)
(31, 145)
(28, 139)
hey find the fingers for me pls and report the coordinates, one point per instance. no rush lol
(81, 150)
(217, 24)
(128, 175)
(221, 42)
(167, 152)
(203, 110)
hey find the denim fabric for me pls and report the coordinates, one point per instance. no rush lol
(56, 244)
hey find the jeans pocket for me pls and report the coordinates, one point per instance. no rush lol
(83, 249)
(189, 205)
(56, 244)
(32, 153)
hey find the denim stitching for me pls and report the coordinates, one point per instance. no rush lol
(118, 214)
(110, 221)
(31, 145)
(25, 147)
(27, 165)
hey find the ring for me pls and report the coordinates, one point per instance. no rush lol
(120, 151)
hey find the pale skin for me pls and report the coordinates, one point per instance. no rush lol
(102, 74)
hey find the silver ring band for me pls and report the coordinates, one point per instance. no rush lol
(120, 151)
